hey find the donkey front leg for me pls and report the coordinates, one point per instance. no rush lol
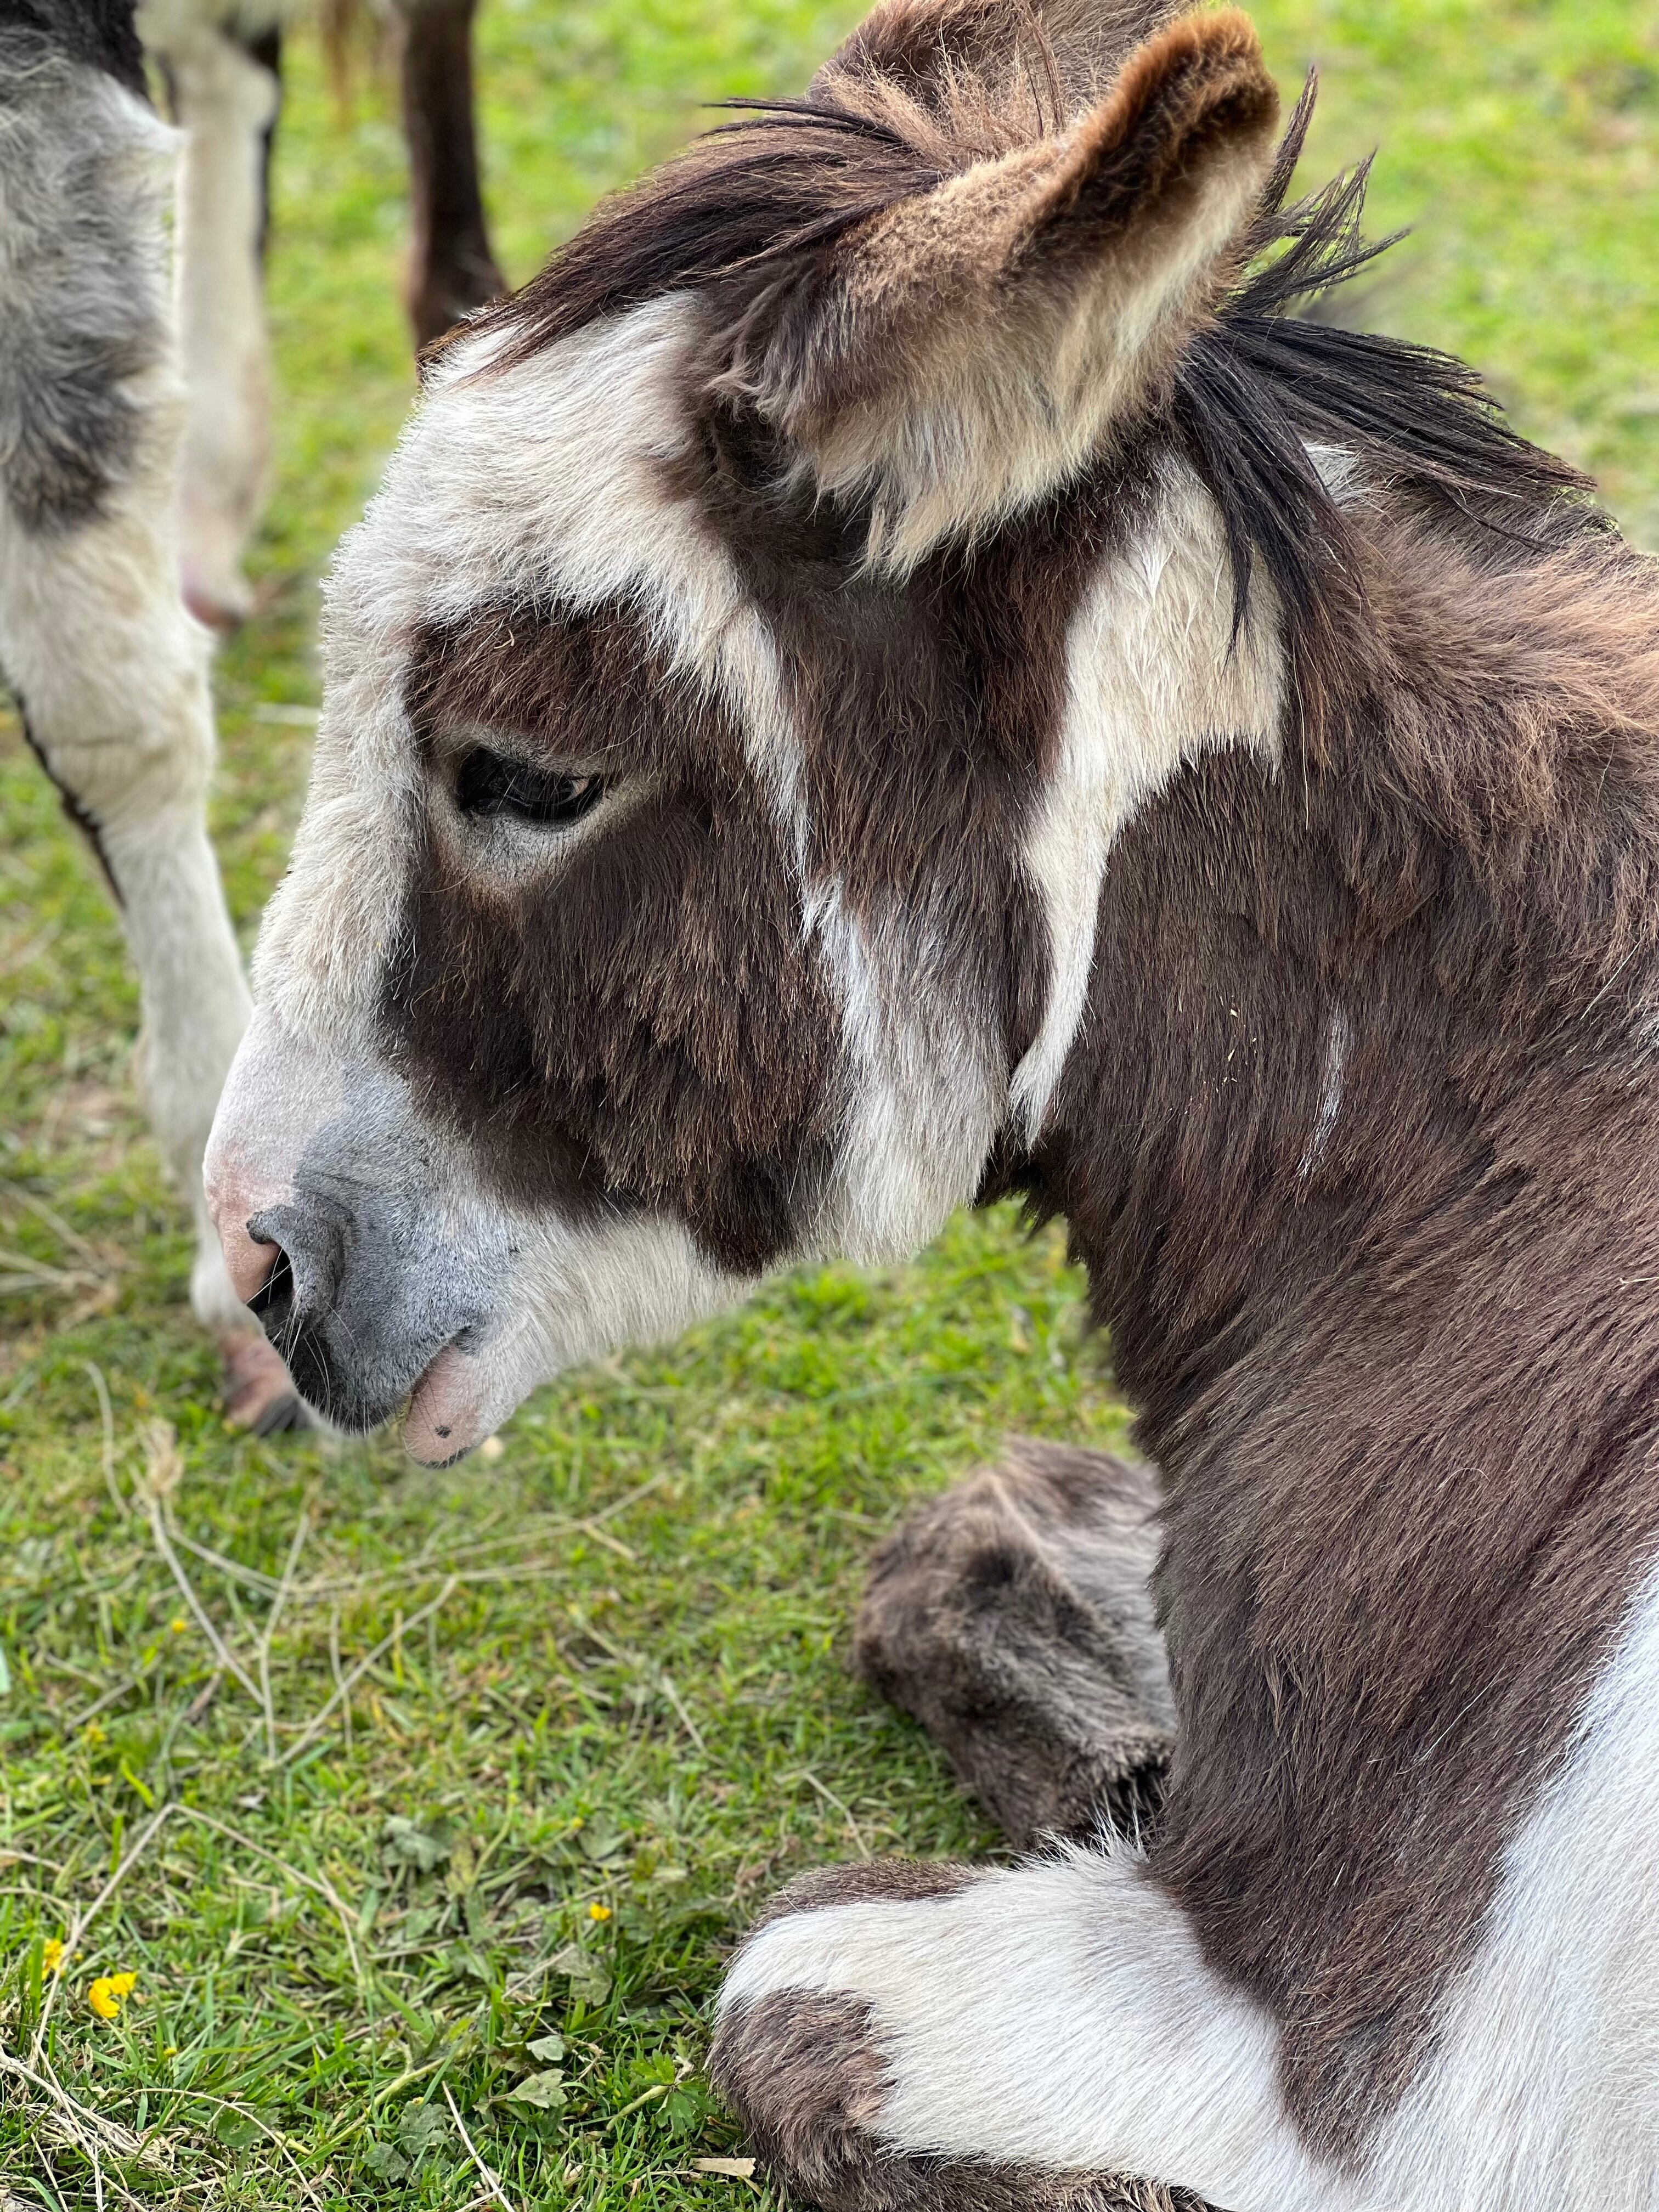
(225, 97)
(908, 2038)
(904, 2039)
(1017, 2039)
(111, 676)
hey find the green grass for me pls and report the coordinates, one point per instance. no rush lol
(605, 1666)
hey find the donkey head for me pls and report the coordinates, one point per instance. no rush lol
(765, 619)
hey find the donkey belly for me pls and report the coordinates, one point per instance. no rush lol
(1542, 2090)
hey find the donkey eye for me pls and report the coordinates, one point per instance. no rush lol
(491, 784)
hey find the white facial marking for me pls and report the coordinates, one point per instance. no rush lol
(1154, 677)
(926, 1099)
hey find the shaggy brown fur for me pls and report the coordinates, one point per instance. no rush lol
(1401, 1386)
(1013, 1618)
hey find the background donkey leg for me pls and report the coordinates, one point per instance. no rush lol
(109, 671)
(1013, 1617)
(225, 95)
(111, 680)
(452, 269)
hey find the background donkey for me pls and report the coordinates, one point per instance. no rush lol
(222, 67)
(109, 670)
(889, 673)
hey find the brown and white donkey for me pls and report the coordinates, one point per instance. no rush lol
(895, 671)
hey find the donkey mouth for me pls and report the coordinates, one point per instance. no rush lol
(445, 1414)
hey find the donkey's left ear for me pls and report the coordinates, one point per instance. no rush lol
(973, 346)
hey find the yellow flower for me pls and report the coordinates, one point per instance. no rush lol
(52, 1955)
(94, 1734)
(598, 1912)
(106, 1994)
(172, 2051)
(177, 1624)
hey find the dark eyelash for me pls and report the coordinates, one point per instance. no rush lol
(491, 784)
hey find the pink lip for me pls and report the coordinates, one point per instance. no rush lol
(444, 1418)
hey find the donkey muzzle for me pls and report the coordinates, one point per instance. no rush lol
(361, 1258)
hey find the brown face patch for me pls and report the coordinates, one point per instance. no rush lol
(638, 1020)
(1361, 1145)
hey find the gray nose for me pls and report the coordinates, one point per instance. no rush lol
(361, 1297)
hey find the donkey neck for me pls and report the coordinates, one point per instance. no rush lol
(1364, 1004)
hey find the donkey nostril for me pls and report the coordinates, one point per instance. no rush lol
(306, 1244)
(274, 1299)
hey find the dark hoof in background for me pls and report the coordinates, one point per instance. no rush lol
(257, 1394)
(1013, 1618)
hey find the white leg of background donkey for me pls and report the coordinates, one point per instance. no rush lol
(221, 58)
(109, 670)
(225, 100)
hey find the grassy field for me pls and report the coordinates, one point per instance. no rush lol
(423, 1802)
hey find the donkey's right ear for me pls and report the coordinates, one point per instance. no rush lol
(958, 355)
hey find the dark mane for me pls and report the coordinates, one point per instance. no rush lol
(1262, 381)
(756, 201)
(745, 201)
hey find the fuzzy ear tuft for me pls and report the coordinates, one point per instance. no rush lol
(1054, 59)
(957, 356)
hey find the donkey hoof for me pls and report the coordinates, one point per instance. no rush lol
(1013, 1617)
(805, 2070)
(257, 1394)
(222, 605)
